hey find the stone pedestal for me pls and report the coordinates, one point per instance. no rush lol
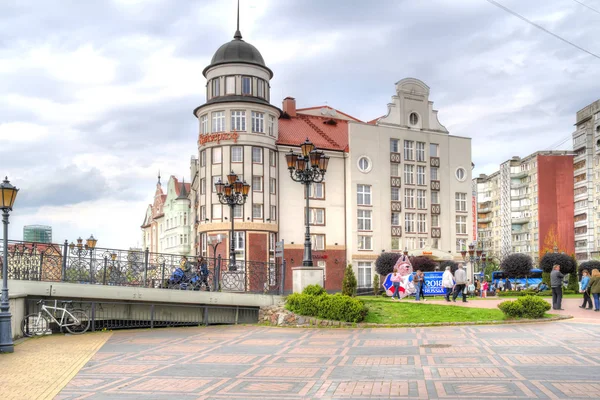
(304, 276)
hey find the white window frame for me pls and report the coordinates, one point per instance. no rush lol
(364, 220)
(461, 224)
(244, 92)
(218, 121)
(216, 211)
(420, 151)
(230, 84)
(409, 150)
(409, 223)
(395, 194)
(421, 175)
(257, 151)
(460, 201)
(256, 210)
(273, 213)
(365, 242)
(272, 186)
(239, 157)
(409, 174)
(422, 223)
(363, 195)
(317, 216)
(434, 150)
(271, 126)
(238, 211)
(394, 146)
(204, 124)
(317, 242)
(421, 199)
(257, 183)
(258, 122)
(313, 192)
(238, 120)
(409, 198)
(395, 170)
(365, 274)
(395, 218)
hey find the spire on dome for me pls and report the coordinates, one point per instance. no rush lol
(158, 183)
(238, 34)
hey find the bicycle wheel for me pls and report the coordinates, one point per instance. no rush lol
(35, 325)
(78, 322)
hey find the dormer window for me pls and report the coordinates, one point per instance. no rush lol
(246, 85)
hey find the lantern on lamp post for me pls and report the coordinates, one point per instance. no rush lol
(8, 195)
(233, 193)
(307, 168)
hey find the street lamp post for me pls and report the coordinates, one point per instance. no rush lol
(214, 242)
(8, 194)
(81, 250)
(307, 168)
(233, 193)
(477, 257)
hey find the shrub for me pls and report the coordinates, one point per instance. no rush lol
(546, 278)
(515, 293)
(376, 285)
(567, 263)
(384, 264)
(533, 307)
(573, 282)
(313, 290)
(423, 263)
(516, 265)
(589, 266)
(525, 307)
(349, 282)
(512, 309)
(334, 307)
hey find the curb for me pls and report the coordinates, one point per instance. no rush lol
(328, 324)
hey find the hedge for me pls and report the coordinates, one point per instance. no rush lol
(525, 307)
(529, 292)
(314, 290)
(335, 307)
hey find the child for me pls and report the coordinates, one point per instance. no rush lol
(396, 278)
(484, 289)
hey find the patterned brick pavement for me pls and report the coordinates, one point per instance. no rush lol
(540, 361)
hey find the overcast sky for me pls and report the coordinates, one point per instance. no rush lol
(96, 96)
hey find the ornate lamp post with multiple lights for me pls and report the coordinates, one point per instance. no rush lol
(81, 250)
(307, 168)
(477, 257)
(8, 194)
(233, 193)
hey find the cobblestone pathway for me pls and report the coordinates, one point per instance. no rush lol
(548, 361)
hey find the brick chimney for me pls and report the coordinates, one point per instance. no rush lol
(289, 106)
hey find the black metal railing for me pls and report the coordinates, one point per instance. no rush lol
(126, 315)
(139, 268)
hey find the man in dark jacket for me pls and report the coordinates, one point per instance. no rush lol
(556, 281)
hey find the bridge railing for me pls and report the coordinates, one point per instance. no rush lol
(114, 267)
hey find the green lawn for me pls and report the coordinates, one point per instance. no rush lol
(386, 311)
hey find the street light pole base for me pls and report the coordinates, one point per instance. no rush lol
(304, 276)
(6, 340)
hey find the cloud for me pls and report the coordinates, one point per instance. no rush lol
(97, 96)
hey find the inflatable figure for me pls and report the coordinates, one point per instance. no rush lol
(405, 269)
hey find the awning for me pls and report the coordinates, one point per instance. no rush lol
(434, 254)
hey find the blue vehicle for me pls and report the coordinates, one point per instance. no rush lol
(534, 279)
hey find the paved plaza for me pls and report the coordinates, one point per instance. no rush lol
(558, 360)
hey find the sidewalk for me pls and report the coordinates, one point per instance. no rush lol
(40, 367)
(571, 307)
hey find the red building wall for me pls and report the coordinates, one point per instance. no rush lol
(555, 200)
(334, 270)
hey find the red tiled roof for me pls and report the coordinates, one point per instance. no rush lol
(325, 136)
(374, 121)
(178, 186)
(299, 110)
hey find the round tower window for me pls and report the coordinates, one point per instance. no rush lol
(461, 174)
(364, 164)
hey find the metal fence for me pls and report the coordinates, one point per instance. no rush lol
(126, 315)
(113, 267)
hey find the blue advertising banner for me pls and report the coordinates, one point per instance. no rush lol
(433, 283)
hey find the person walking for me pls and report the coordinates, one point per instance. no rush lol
(396, 278)
(556, 281)
(471, 289)
(595, 288)
(447, 283)
(204, 273)
(421, 286)
(460, 276)
(585, 289)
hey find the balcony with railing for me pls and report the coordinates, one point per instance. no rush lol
(519, 196)
(487, 218)
(517, 185)
(520, 220)
(519, 174)
(484, 210)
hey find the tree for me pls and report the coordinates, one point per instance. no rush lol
(567, 263)
(384, 264)
(551, 241)
(349, 282)
(376, 285)
(453, 265)
(489, 269)
(516, 265)
(423, 263)
(589, 266)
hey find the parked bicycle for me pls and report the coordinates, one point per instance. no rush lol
(74, 321)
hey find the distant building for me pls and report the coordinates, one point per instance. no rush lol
(166, 227)
(527, 206)
(586, 175)
(37, 233)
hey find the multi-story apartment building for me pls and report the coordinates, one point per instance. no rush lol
(167, 225)
(586, 173)
(398, 182)
(527, 203)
